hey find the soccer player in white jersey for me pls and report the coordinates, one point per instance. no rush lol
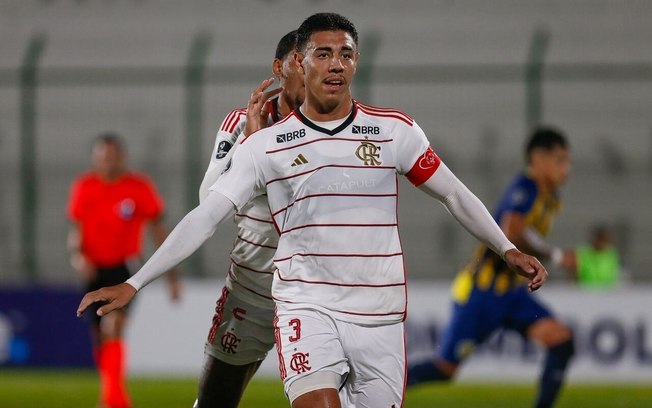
(242, 330)
(330, 173)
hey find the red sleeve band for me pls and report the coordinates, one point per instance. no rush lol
(424, 167)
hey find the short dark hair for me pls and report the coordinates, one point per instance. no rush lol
(324, 22)
(110, 138)
(546, 137)
(286, 45)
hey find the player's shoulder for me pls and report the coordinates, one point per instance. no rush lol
(521, 192)
(231, 121)
(85, 179)
(135, 177)
(385, 115)
(523, 181)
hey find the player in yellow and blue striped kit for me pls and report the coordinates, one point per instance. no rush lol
(487, 296)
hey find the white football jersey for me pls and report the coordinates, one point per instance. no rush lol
(251, 269)
(333, 197)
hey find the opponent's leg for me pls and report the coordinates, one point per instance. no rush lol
(559, 344)
(436, 370)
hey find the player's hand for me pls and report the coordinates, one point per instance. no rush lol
(527, 266)
(115, 296)
(257, 109)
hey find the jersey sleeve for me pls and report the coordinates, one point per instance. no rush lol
(227, 139)
(242, 179)
(415, 158)
(75, 201)
(151, 202)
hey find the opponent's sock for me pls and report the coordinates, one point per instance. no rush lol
(424, 372)
(554, 368)
(112, 375)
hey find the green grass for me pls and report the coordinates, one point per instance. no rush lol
(71, 389)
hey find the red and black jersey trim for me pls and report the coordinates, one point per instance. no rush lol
(335, 131)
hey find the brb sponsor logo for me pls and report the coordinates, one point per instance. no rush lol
(365, 130)
(290, 136)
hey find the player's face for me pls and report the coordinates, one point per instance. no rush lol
(108, 160)
(558, 164)
(329, 62)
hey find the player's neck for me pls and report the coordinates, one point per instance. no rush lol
(110, 177)
(325, 112)
(285, 105)
(542, 182)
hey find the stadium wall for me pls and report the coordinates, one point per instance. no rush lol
(613, 330)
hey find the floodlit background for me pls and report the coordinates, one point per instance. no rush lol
(475, 75)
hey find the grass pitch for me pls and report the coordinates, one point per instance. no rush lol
(71, 389)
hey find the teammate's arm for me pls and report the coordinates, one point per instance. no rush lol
(469, 211)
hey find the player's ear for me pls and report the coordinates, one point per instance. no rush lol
(298, 60)
(277, 68)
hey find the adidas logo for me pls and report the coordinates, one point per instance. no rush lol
(299, 160)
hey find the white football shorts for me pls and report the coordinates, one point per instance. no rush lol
(241, 333)
(365, 363)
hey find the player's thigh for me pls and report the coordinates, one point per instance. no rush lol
(112, 325)
(240, 333)
(469, 325)
(308, 345)
(534, 320)
(376, 357)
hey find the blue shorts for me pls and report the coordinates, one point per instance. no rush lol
(485, 312)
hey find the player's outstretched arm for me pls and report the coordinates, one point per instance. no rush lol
(116, 297)
(527, 266)
(469, 211)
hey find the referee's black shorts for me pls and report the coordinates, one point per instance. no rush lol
(105, 277)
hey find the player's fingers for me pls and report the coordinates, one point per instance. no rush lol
(255, 99)
(108, 308)
(263, 85)
(87, 300)
(273, 92)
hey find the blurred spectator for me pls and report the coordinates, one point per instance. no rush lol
(598, 263)
(108, 206)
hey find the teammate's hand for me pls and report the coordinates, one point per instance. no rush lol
(257, 109)
(527, 266)
(116, 297)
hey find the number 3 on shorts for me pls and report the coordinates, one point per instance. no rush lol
(296, 326)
